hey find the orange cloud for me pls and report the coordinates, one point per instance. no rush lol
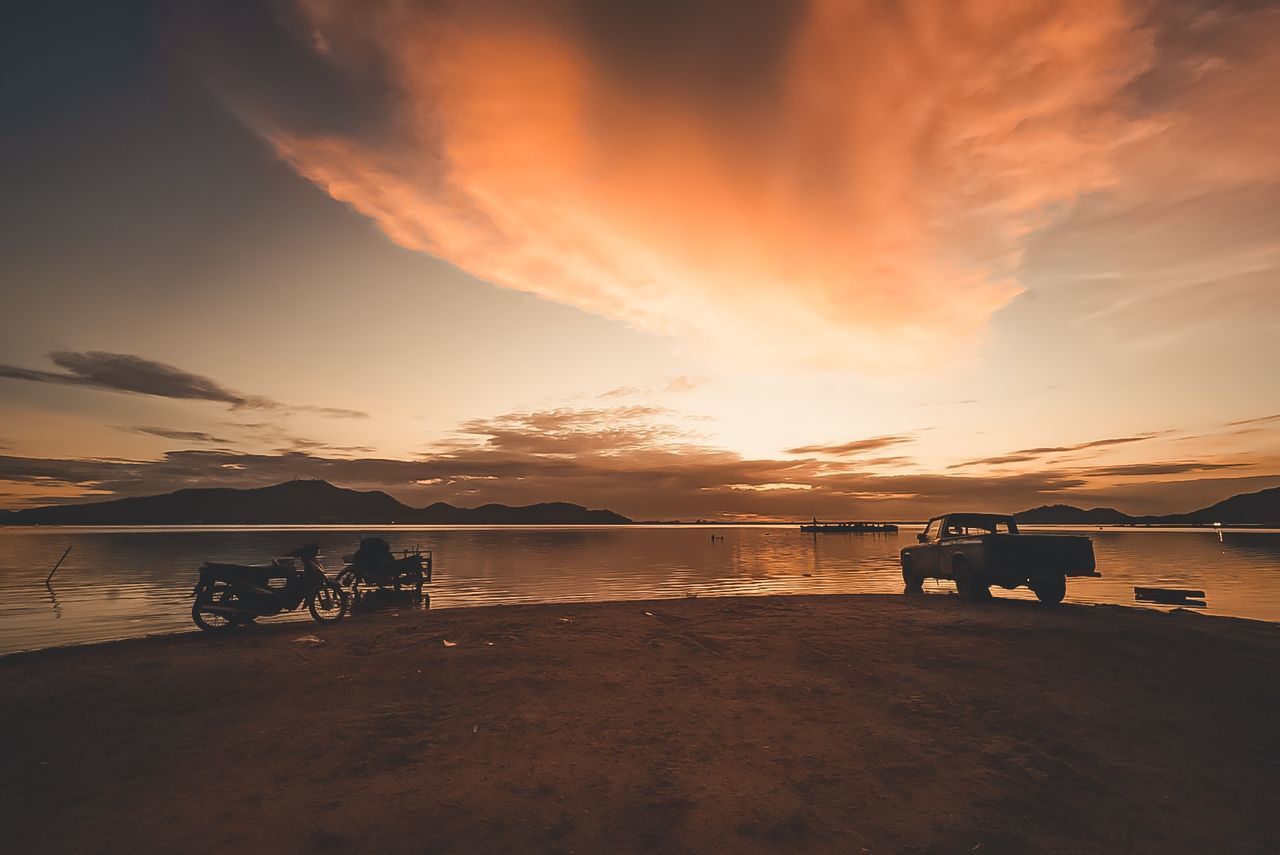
(866, 207)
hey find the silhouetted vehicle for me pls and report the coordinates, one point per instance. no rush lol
(981, 550)
(228, 595)
(376, 566)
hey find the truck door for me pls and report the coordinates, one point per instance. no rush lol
(952, 530)
(924, 559)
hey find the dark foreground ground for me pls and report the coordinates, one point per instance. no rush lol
(846, 724)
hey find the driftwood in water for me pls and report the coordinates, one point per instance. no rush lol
(1182, 593)
(1171, 596)
(49, 578)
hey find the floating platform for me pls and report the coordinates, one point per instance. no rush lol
(850, 527)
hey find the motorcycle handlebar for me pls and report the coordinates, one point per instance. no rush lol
(306, 553)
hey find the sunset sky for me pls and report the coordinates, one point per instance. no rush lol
(736, 259)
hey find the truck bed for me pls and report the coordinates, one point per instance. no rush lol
(1034, 554)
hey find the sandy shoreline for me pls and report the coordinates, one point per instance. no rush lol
(839, 723)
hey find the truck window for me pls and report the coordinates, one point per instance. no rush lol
(931, 530)
(963, 528)
(970, 527)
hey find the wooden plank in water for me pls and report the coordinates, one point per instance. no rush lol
(1168, 593)
(1180, 603)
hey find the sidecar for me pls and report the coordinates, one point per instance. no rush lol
(374, 565)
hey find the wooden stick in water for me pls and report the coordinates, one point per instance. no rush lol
(59, 564)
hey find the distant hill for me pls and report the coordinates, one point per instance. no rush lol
(319, 502)
(1071, 515)
(1261, 508)
(297, 503)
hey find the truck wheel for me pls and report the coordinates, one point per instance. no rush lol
(1050, 589)
(911, 583)
(968, 585)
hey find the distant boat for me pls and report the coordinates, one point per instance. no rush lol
(850, 527)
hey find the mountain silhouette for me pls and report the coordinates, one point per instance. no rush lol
(1260, 508)
(318, 502)
(298, 503)
(1071, 515)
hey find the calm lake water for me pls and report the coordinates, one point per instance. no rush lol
(122, 582)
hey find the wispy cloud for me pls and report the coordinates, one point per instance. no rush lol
(1172, 468)
(1096, 443)
(1025, 455)
(181, 435)
(330, 412)
(281, 440)
(1260, 420)
(570, 432)
(315, 446)
(673, 386)
(857, 446)
(999, 460)
(683, 383)
(123, 372)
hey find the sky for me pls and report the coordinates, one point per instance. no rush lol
(733, 260)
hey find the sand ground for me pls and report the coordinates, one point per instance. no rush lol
(842, 724)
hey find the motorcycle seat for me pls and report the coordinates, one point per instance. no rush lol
(217, 565)
(254, 573)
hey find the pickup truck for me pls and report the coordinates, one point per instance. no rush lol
(980, 550)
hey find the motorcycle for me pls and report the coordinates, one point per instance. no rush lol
(375, 565)
(229, 595)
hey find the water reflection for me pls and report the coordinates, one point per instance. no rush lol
(387, 600)
(119, 582)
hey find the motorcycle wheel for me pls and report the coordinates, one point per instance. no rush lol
(328, 603)
(213, 621)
